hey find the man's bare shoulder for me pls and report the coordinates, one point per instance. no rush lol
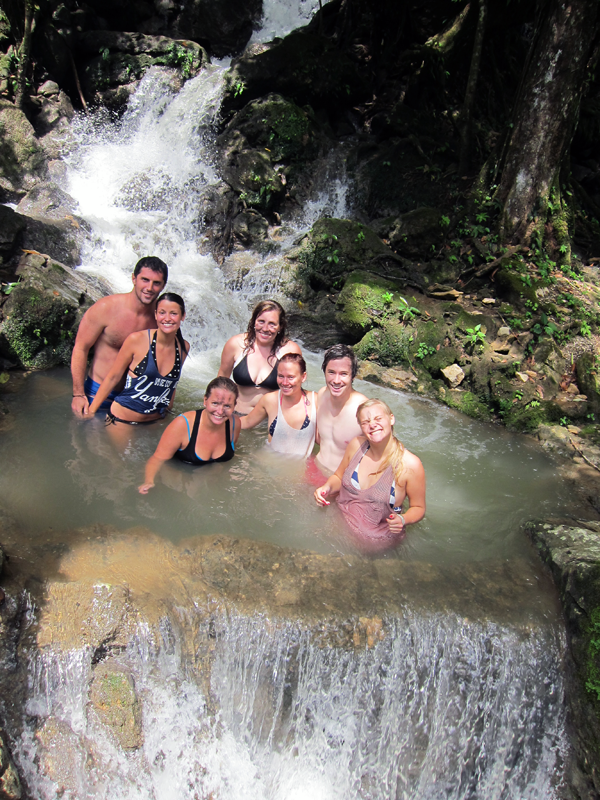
(355, 400)
(107, 305)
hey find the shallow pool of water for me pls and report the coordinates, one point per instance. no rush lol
(62, 474)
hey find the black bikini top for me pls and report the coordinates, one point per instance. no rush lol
(241, 376)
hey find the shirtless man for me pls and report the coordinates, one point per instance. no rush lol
(337, 404)
(107, 324)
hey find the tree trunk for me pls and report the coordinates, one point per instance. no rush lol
(546, 112)
(466, 122)
(24, 52)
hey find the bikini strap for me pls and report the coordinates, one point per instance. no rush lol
(188, 425)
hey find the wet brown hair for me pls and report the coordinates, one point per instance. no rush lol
(267, 305)
(221, 382)
(294, 358)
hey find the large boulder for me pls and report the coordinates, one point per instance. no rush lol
(268, 150)
(22, 159)
(41, 315)
(114, 62)
(114, 699)
(572, 551)
(305, 67)
(52, 227)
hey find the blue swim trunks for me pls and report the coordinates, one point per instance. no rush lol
(90, 387)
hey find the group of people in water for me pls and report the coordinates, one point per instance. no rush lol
(138, 355)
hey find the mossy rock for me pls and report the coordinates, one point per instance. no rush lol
(42, 313)
(365, 301)
(510, 287)
(114, 698)
(336, 247)
(22, 159)
(390, 345)
(588, 381)
(466, 402)
(117, 60)
(289, 132)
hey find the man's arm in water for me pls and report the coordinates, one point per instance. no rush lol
(91, 327)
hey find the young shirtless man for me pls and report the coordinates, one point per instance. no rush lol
(337, 404)
(107, 324)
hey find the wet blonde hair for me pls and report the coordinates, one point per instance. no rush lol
(396, 457)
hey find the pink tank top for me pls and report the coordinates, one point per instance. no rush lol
(366, 510)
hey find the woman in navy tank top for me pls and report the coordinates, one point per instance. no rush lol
(200, 437)
(152, 360)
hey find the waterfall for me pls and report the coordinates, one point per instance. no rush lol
(439, 706)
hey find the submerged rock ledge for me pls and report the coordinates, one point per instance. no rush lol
(572, 551)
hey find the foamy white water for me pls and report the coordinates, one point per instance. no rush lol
(442, 707)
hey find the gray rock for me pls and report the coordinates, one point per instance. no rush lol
(42, 313)
(22, 159)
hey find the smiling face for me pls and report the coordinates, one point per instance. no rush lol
(289, 377)
(375, 423)
(169, 316)
(147, 285)
(267, 327)
(338, 376)
(219, 405)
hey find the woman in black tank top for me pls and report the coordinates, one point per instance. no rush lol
(199, 437)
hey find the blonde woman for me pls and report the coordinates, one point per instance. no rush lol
(375, 476)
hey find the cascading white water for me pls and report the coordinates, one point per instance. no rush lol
(280, 18)
(440, 707)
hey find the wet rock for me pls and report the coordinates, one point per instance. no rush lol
(61, 758)
(305, 67)
(572, 552)
(414, 233)
(587, 379)
(225, 26)
(10, 782)
(11, 225)
(116, 61)
(114, 699)
(268, 150)
(41, 315)
(22, 159)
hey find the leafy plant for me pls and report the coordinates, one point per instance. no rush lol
(360, 237)
(8, 287)
(424, 350)
(387, 297)
(407, 311)
(445, 221)
(239, 87)
(475, 336)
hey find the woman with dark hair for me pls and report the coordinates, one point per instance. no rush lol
(200, 437)
(153, 360)
(291, 412)
(376, 475)
(251, 358)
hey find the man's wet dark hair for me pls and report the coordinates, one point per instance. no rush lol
(340, 351)
(155, 264)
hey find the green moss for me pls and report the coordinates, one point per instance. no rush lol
(592, 653)
(38, 330)
(468, 403)
(390, 345)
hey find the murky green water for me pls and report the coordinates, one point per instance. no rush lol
(61, 474)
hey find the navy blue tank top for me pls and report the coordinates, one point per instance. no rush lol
(147, 391)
